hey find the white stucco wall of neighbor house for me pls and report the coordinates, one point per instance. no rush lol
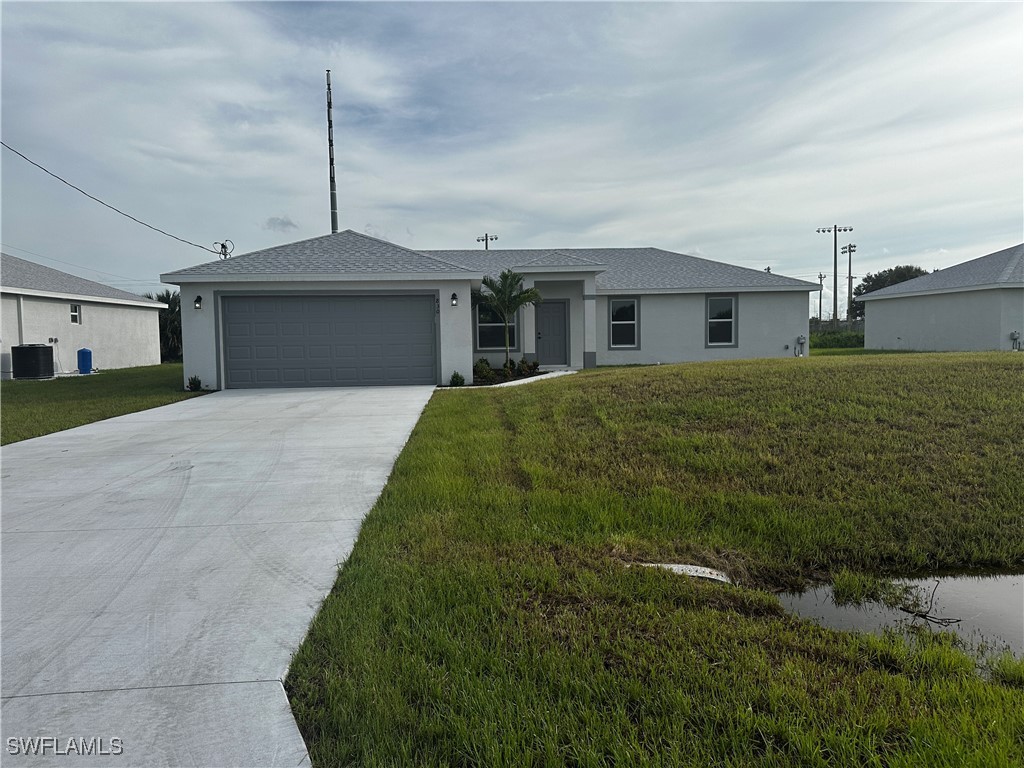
(673, 328)
(119, 335)
(963, 320)
(202, 352)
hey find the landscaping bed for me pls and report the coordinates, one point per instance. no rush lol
(484, 375)
(488, 616)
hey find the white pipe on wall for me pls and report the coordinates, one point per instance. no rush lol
(21, 320)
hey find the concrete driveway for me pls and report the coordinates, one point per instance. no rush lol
(159, 570)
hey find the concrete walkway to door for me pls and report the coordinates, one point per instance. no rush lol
(159, 570)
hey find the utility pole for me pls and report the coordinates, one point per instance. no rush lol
(821, 290)
(486, 239)
(849, 250)
(834, 230)
(330, 152)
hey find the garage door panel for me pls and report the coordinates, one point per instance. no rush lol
(275, 341)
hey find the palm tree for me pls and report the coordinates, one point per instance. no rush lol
(170, 324)
(504, 297)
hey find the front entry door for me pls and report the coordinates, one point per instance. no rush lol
(552, 336)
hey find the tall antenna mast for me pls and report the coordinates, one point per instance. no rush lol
(330, 150)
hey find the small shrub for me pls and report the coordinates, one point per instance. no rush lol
(526, 367)
(837, 339)
(194, 384)
(483, 373)
(457, 379)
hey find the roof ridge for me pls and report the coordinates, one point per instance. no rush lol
(402, 247)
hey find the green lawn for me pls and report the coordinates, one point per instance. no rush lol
(34, 408)
(845, 351)
(488, 615)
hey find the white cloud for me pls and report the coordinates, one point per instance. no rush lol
(726, 130)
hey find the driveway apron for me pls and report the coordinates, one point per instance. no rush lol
(160, 569)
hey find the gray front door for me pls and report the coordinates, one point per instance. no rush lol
(329, 341)
(552, 336)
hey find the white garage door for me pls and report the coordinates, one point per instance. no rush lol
(329, 341)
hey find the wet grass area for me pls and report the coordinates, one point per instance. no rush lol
(494, 611)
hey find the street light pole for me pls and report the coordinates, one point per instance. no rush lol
(849, 250)
(834, 230)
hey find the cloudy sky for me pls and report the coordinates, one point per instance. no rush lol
(730, 131)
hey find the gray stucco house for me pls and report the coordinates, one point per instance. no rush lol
(349, 309)
(39, 305)
(975, 305)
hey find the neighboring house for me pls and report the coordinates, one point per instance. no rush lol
(349, 309)
(40, 305)
(976, 305)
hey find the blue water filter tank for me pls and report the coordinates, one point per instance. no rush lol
(84, 360)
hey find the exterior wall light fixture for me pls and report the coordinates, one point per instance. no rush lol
(455, 299)
(198, 303)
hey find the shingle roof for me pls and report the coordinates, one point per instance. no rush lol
(635, 269)
(18, 273)
(1002, 268)
(341, 253)
(618, 269)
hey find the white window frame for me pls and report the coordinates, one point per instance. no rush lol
(635, 322)
(513, 327)
(733, 322)
(76, 314)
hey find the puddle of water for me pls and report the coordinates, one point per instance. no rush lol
(990, 609)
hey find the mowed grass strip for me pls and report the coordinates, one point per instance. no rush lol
(35, 408)
(491, 614)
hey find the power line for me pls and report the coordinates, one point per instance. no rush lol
(72, 264)
(116, 210)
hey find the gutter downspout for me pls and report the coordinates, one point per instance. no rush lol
(21, 319)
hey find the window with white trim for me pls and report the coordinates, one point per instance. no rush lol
(623, 318)
(721, 321)
(490, 330)
(76, 314)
